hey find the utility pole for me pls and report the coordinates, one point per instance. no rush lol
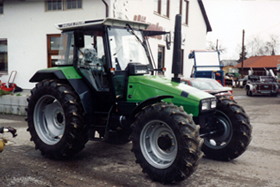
(243, 35)
(217, 45)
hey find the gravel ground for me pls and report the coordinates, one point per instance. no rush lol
(101, 164)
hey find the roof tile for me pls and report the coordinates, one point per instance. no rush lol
(260, 62)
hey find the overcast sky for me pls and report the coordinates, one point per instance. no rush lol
(259, 18)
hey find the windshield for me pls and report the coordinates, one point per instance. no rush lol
(126, 48)
(207, 85)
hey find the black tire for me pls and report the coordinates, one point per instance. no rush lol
(56, 120)
(274, 94)
(248, 92)
(229, 134)
(166, 142)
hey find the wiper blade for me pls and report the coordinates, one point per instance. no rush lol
(132, 32)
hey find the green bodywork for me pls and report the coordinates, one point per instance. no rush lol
(141, 88)
(69, 71)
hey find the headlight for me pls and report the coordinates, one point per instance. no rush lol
(213, 104)
(208, 104)
(204, 105)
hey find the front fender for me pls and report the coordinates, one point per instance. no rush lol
(147, 102)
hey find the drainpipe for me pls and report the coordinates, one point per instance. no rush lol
(107, 8)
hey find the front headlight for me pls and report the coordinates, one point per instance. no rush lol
(208, 104)
(205, 105)
(213, 104)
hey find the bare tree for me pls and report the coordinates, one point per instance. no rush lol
(216, 46)
(272, 44)
(257, 47)
(254, 47)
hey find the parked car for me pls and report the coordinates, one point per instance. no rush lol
(257, 85)
(209, 85)
(242, 82)
(230, 81)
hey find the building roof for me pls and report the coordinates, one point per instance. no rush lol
(208, 26)
(260, 62)
(229, 62)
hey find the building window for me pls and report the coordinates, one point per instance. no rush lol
(183, 9)
(73, 4)
(162, 7)
(3, 55)
(161, 55)
(54, 5)
(1, 7)
(53, 44)
(157, 5)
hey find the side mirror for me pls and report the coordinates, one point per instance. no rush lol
(168, 40)
(79, 38)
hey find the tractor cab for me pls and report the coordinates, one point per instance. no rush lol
(105, 52)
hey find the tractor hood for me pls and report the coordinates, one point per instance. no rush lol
(143, 87)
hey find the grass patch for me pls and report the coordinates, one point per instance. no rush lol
(3, 92)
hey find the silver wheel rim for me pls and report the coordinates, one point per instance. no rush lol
(49, 120)
(158, 144)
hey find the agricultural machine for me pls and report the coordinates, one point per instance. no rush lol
(207, 64)
(104, 89)
(3, 141)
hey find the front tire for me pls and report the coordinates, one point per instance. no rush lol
(229, 134)
(56, 119)
(166, 143)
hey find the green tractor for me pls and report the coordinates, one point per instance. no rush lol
(104, 88)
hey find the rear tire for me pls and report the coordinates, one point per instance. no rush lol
(248, 92)
(56, 119)
(166, 143)
(232, 132)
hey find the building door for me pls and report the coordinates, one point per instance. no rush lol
(53, 41)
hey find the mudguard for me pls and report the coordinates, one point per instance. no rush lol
(146, 102)
(66, 72)
(70, 75)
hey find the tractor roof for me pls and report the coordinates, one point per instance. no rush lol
(99, 23)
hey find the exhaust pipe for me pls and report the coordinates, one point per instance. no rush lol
(177, 53)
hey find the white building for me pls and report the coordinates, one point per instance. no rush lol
(28, 36)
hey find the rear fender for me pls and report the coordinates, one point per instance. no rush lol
(47, 74)
(76, 82)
